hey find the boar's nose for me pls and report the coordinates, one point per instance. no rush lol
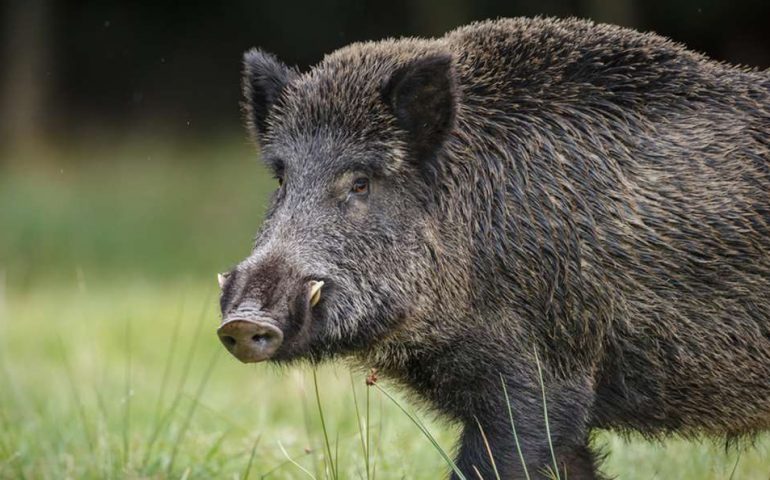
(250, 341)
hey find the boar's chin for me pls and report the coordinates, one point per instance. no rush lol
(324, 340)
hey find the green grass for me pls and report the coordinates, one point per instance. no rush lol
(109, 362)
(79, 398)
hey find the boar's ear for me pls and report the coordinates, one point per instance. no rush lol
(421, 95)
(264, 78)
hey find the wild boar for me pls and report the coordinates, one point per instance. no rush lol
(450, 210)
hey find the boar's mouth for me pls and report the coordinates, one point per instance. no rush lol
(255, 336)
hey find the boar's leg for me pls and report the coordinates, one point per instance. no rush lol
(568, 416)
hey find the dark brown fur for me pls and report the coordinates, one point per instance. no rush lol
(587, 194)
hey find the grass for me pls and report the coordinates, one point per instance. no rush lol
(110, 367)
(425, 431)
(331, 468)
(213, 403)
(513, 428)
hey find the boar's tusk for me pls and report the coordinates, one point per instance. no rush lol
(315, 292)
(221, 279)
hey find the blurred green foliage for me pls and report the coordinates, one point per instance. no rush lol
(150, 211)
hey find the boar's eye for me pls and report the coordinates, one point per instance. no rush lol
(360, 186)
(280, 181)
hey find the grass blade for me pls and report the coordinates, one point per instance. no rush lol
(251, 458)
(337, 453)
(368, 438)
(9, 454)
(215, 446)
(735, 466)
(291, 460)
(513, 427)
(76, 395)
(167, 367)
(545, 416)
(478, 474)
(332, 467)
(180, 386)
(425, 432)
(193, 407)
(364, 436)
(101, 406)
(489, 449)
(127, 400)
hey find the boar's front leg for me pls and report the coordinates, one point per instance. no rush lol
(568, 413)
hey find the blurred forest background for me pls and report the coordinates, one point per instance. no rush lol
(108, 93)
(127, 182)
(74, 69)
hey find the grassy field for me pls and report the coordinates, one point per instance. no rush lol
(110, 368)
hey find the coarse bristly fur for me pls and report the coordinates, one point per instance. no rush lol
(584, 194)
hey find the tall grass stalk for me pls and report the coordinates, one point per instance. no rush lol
(79, 406)
(380, 432)
(9, 431)
(330, 461)
(425, 432)
(167, 366)
(196, 400)
(489, 449)
(12, 390)
(363, 432)
(7, 454)
(251, 458)
(127, 400)
(215, 446)
(288, 461)
(545, 416)
(5, 449)
(307, 420)
(735, 466)
(101, 405)
(368, 437)
(293, 462)
(513, 428)
(164, 420)
(337, 452)
(478, 474)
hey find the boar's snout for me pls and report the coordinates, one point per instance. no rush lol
(250, 341)
(255, 329)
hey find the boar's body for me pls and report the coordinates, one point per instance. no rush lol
(590, 196)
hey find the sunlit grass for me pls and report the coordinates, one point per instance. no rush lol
(80, 395)
(53, 425)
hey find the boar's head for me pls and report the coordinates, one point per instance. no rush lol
(348, 249)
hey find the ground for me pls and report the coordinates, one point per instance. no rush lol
(110, 367)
